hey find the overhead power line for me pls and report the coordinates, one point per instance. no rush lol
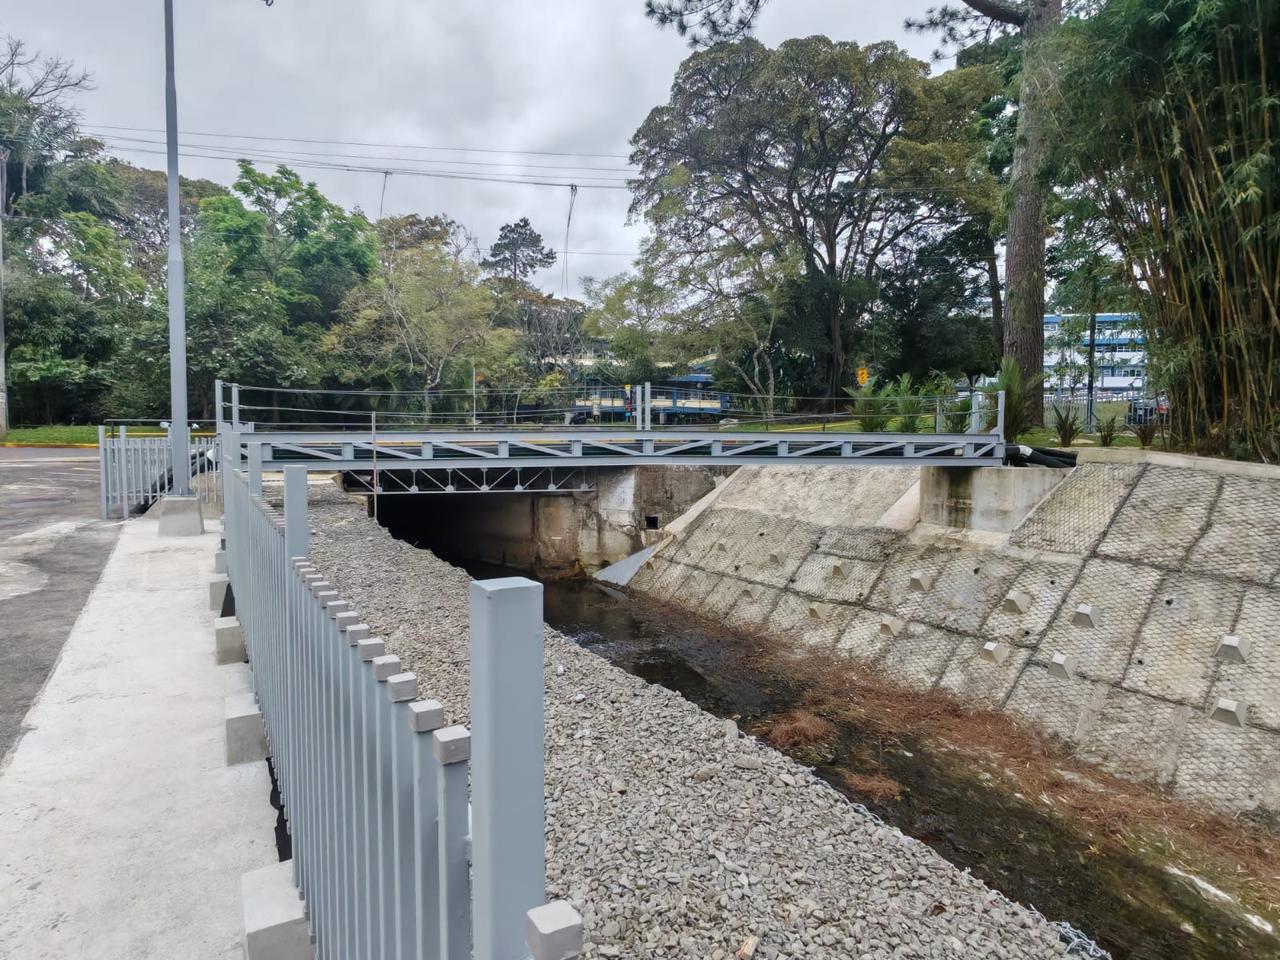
(359, 156)
(382, 170)
(365, 143)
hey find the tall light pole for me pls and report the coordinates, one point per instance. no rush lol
(179, 450)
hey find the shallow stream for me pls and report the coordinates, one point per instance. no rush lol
(1135, 909)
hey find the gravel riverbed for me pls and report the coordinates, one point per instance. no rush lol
(674, 835)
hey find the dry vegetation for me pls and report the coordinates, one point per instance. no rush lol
(841, 695)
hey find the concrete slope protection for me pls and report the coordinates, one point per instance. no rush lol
(1133, 611)
(123, 833)
(674, 835)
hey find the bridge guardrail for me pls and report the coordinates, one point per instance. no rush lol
(389, 856)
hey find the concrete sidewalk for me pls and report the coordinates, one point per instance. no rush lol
(123, 834)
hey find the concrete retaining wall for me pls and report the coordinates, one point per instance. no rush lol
(1168, 559)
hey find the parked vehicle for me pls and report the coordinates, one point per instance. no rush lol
(1147, 410)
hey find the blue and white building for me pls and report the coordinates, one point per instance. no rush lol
(1120, 355)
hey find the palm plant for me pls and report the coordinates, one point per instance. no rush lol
(870, 407)
(909, 404)
(958, 413)
(1066, 424)
(1107, 429)
(1017, 419)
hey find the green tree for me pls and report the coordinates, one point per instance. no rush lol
(633, 313)
(518, 253)
(840, 155)
(405, 323)
(1034, 21)
(284, 230)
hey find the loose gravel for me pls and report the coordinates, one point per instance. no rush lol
(673, 834)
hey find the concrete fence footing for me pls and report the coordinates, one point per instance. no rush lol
(220, 561)
(218, 593)
(275, 920)
(228, 641)
(246, 735)
(180, 516)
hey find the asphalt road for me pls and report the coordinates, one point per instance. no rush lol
(53, 547)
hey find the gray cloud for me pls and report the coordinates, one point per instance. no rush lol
(568, 75)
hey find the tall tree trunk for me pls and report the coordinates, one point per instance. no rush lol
(994, 291)
(1024, 267)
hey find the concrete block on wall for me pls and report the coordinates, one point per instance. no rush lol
(228, 641)
(275, 922)
(839, 570)
(995, 651)
(246, 735)
(1233, 712)
(1233, 649)
(1018, 601)
(921, 581)
(892, 626)
(1083, 617)
(1062, 666)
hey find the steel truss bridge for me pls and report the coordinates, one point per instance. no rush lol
(562, 458)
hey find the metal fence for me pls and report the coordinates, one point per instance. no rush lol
(135, 472)
(389, 856)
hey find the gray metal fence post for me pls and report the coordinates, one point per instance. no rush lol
(425, 717)
(255, 469)
(102, 470)
(452, 749)
(122, 461)
(508, 832)
(296, 531)
(975, 411)
(401, 689)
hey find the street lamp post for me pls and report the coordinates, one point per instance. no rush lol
(180, 454)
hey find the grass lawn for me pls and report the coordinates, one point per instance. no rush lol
(59, 434)
(85, 433)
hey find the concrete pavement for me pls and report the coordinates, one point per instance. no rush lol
(123, 834)
(52, 549)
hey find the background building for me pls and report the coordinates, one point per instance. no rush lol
(1120, 355)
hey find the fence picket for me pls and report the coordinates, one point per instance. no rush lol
(378, 793)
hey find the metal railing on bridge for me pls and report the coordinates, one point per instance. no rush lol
(134, 467)
(403, 452)
(391, 859)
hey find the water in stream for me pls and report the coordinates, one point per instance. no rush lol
(1133, 908)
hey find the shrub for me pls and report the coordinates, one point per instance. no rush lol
(1066, 424)
(1017, 418)
(906, 394)
(957, 414)
(870, 408)
(1145, 432)
(1107, 429)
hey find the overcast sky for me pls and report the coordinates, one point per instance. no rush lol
(571, 76)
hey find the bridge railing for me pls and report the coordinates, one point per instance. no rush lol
(134, 468)
(639, 407)
(411, 839)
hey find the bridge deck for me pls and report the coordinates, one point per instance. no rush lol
(582, 447)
